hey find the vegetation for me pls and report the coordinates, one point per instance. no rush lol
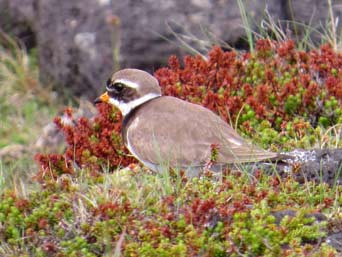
(25, 106)
(281, 97)
(94, 199)
(134, 213)
(84, 204)
(274, 96)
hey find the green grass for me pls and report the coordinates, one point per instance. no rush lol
(303, 34)
(25, 107)
(281, 30)
(138, 206)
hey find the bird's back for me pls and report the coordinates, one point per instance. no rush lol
(172, 131)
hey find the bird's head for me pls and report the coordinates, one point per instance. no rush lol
(129, 88)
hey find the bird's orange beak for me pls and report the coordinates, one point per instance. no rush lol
(104, 98)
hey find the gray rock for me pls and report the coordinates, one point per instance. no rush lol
(317, 165)
(51, 139)
(335, 240)
(314, 13)
(146, 24)
(74, 44)
(17, 19)
(320, 165)
(78, 40)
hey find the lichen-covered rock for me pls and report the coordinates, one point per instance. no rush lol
(320, 165)
(316, 165)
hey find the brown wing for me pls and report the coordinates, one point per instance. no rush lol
(169, 130)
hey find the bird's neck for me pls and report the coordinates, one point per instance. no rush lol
(126, 108)
(127, 119)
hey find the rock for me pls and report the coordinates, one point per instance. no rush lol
(334, 237)
(279, 215)
(317, 165)
(320, 165)
(314, 14)
(74, 43)
(79, 41)
(17, 18)
(333, 230)
(335, 240)
(52, 139)
(145, 26)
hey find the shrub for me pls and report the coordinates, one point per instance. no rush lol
(95, 145)
(278, 90)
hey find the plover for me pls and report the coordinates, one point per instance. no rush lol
(166, 131)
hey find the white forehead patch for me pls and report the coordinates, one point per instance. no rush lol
(127, 83)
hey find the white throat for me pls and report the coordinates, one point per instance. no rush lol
(125, 108)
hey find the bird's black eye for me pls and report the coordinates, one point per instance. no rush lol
(114, 87)
(118, 87)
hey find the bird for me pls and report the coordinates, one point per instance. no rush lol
(165, 131)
